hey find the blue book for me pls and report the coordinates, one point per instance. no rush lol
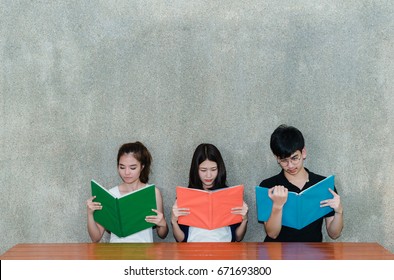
(300, 209)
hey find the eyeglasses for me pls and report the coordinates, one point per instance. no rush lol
(285, 161)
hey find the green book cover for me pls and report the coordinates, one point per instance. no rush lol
(125, 215)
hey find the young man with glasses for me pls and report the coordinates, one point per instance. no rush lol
(287, 144)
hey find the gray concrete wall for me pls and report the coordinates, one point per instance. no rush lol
(79, 78)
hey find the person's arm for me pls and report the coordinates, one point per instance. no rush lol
(159, 219)
(95, 230)
(278, 195)
(334, 224)
(175, 213)
(241, 229)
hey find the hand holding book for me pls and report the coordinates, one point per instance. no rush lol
(93, 205)
(157, 219)
(278, 195)
(243, 211)
(334, 203)
(178, 212)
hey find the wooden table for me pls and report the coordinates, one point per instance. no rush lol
(199, 251)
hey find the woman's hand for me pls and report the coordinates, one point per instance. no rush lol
(241, 211)
(177, 212)
(156, 219)
(93, 206)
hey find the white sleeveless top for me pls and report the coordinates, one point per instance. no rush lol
(222, 234)
(143, 236)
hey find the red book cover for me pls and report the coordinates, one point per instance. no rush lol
(210, 209)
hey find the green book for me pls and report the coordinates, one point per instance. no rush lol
(125, 215)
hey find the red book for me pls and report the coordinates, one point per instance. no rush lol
(210, 209)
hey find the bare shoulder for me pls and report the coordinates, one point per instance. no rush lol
(157, 190)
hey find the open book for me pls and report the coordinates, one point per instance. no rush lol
(125, 215)
(300, 209)
(210, 209)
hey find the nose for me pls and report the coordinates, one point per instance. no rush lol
(290, 163)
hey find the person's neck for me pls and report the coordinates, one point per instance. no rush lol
(127, 188)
(300, 179)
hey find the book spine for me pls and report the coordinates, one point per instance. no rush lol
(210, 218)
(120, 222)
(299, 212)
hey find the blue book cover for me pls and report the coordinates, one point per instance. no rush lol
(300, 209)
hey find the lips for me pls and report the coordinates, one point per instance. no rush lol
(292, 171)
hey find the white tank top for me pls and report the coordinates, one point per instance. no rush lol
(205, 235)
(143, 236)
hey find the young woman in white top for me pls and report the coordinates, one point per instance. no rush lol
(208, 172)
(134, 162)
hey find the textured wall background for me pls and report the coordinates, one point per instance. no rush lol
(79, 78)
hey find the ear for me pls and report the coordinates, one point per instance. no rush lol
(303, 153)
